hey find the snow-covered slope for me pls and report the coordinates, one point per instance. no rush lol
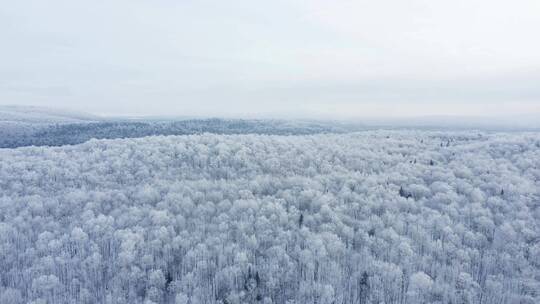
(24, 127)
(41, 115)
(19, 124)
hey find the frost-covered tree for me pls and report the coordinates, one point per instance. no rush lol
(370, 217)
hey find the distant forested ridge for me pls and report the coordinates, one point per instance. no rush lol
(57, 134)
(372, 217)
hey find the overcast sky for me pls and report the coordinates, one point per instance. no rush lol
(300, 58)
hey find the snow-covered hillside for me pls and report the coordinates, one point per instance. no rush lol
(371, 217)
(21, 124)
(41, 115)
(32, 126)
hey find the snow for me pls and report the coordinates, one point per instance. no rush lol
(40, 115)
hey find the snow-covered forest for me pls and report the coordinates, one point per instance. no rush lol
(35, 126)
(58, 134)
(369, 217)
